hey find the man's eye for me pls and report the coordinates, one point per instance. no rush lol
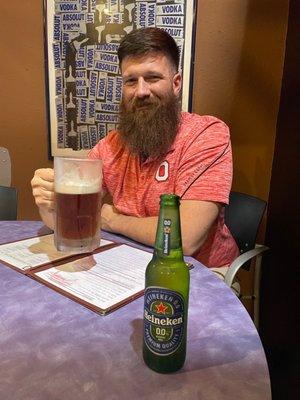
(153, 79)
(129, 82)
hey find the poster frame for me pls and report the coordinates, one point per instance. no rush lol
(187, 73)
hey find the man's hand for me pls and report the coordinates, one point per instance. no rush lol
(43, 192)
(109, 216)
(43, 188)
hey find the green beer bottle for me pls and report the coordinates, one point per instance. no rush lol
(166, 293)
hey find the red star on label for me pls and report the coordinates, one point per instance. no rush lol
(161, 308)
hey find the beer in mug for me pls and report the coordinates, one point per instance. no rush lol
(77, 186)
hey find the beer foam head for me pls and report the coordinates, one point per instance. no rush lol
(77, 187)
(70, 186)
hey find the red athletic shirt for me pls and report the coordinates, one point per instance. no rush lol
(197, 167)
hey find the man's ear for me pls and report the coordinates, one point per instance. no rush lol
(177, 83)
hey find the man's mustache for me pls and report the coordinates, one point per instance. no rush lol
(137, 103)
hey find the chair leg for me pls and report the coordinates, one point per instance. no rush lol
(256, 290)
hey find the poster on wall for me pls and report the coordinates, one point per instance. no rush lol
(84, 84)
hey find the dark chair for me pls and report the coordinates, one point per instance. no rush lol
(8, 203)
(243, 216)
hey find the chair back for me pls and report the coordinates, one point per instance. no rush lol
(242, 217)
(5, 167)
(8, 203)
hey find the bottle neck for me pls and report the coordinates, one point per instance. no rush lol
(168, 235)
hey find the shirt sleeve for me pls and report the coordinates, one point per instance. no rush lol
(95, 152)
(205, 171)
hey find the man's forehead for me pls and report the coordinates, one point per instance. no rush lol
(149, 57)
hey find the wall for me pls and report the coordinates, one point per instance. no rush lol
(23, 128)
(238, 71)
(238, 68)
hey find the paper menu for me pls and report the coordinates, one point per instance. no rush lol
(35, 252)
(102, 281)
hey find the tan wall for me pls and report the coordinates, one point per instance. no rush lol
(239, 55)
(23, 127)
(238, 70)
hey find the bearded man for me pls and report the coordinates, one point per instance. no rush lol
(157, 149)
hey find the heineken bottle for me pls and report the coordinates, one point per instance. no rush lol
(166, 294)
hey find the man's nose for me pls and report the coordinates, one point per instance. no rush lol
(142, 89)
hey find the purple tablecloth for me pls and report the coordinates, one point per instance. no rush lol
(54, 348)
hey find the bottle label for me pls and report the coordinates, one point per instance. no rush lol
(167, 235)
(163, 320)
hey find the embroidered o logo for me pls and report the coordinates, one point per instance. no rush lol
(162, 173)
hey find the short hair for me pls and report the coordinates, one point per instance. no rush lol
(145, 40)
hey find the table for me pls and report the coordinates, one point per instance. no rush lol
(54, 348)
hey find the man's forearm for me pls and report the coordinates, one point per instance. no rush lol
(142, 230)
(197, 217)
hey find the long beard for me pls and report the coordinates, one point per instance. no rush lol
(148, 127)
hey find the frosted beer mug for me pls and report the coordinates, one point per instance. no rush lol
(77, 187)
